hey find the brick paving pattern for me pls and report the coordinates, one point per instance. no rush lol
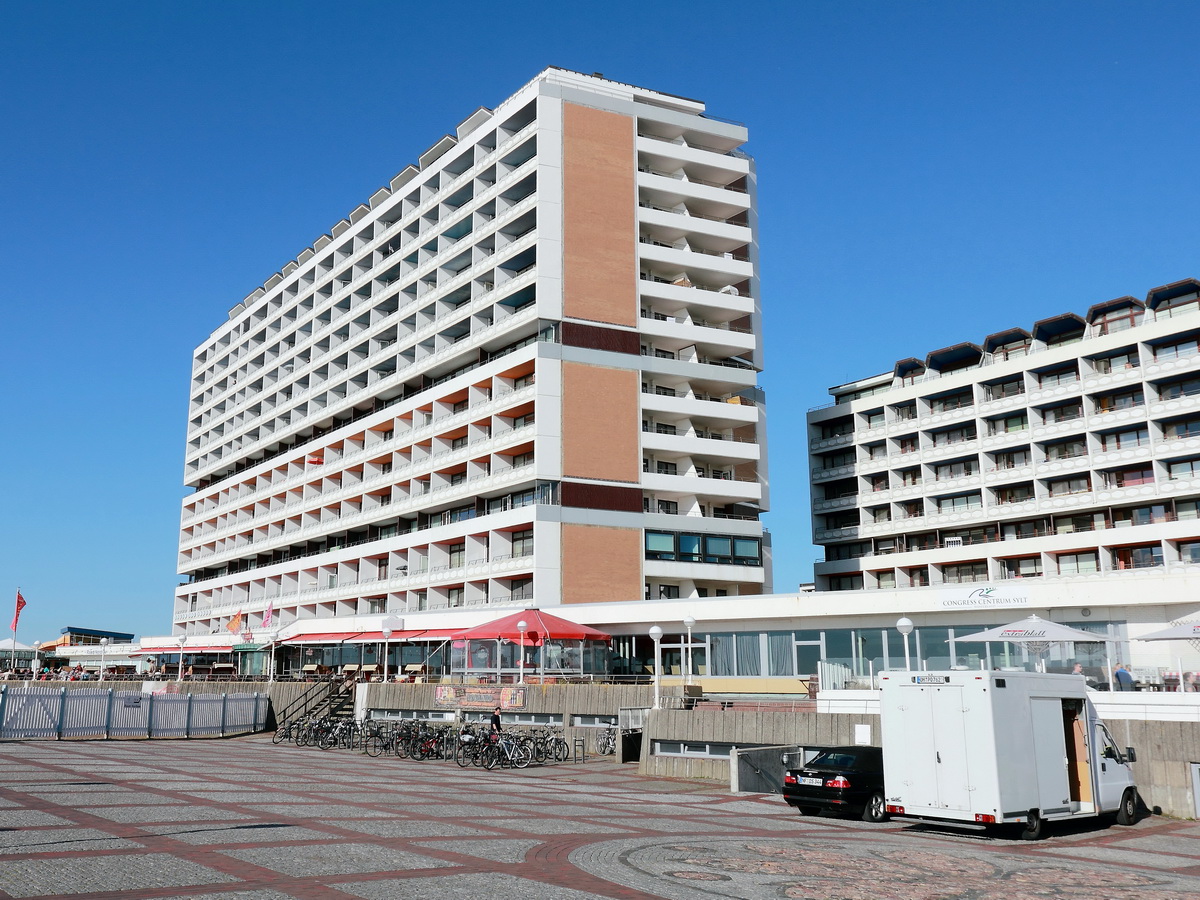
(243, 819)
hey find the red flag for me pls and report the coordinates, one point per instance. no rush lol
(269, 614)
(235, 624)
(17, 614)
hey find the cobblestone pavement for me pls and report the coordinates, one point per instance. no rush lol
(243, 819)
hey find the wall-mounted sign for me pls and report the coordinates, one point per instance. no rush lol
(479, 696)
(985, 598)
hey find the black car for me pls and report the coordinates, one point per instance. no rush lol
(840, 779)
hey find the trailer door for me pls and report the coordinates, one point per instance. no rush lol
(949, 751)
(1050, 754)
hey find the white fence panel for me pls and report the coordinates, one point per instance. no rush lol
(30, 712)
(86, 713)
(207, 710)
(170, 716)
(130, 714)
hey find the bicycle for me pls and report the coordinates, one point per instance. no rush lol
(606, 741)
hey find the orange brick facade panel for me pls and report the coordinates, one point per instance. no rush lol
(601, 564)
(599, 216)
(601, 423)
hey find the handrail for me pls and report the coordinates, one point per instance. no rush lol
(305, 702)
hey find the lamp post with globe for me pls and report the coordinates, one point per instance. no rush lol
(656, 634)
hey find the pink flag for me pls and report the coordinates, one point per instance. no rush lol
(269, 614)
(17, 614)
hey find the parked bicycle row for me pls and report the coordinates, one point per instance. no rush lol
(468, 744)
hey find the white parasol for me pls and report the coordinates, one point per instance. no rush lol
(1036, 633)
(1179, 631)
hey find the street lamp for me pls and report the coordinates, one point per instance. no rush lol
(273, 639)
(656, 634)
(103, 656)
(521, 626)
(904, 625)
(689, 623)
(387, 636)
(182, 642)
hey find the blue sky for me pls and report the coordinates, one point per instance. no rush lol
(929, 173)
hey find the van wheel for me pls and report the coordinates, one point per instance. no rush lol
(1034, 828)
(1127, 811)
(876, 809)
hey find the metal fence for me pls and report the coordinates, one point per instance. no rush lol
(32, 712)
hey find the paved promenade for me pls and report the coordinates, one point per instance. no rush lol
(242, 819)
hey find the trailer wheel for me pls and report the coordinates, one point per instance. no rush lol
(876, 809)
(1034, 828)
(1127, 811)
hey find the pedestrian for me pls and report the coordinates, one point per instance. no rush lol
(496, 720)
(1122, 680)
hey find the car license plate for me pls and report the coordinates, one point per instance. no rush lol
(931, 679)
(815, 782)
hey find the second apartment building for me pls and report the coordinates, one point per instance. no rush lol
(1068, 450)
(523, 373)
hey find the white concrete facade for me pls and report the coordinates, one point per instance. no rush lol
(379, 429)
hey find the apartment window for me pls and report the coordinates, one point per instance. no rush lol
(905, 412)
(1134, 475)
(1068, 449)
(659, 545)
(957, 469)
(1123, 440)
(1183, 468)
(385, 467)
(1142, 557)
(1189, 551)
(913, 509)
(521, 589)
(1060, 376)
(422, 600)
(660, 428)
(885, 580)
(522, 381)
(873, 419)
(522, 421)
(664, 354)
(1177, 306)
(458, 443)
(1187, 509)
(1010, 459)
(876, 451)
(959, 503)
(918, 577)
(1064, 412)
(832, 460)
(668, 507)
(661, 391)
(1012, 350)
(456, 555)
(1177, 350)
(1184, 387)
(1182, 428)
(848, 551)
(965, 573)
(878, 482)
(1015, 493)
(461, 406)
(951, 402)
(1076, 484)
(1022, 567)
(666, 468)
(522, 459)
(880, 514)
(1008, 424)
(458, 478)
(954, 436)
(522, 543)
(845, 582)
(668, 592)
(907, 444)
(1117, 320)
(1073, 524)
(1140, 515)
(848, 519)
(1116, 362)
(910, 477)
(1130, 399)
(455, 596)
(1083, 563)
(1027, 529)
(376, 605)
(837, 428)
(1011, 388)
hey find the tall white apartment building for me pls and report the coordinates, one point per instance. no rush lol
(1063, 453)
(524, 372)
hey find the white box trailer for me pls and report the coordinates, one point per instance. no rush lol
(993, 747)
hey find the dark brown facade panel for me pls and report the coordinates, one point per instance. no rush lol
(596, 337)
(602, 496)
